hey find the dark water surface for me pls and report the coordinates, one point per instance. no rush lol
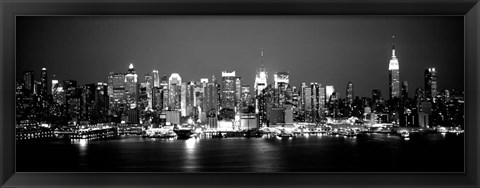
(313, 153)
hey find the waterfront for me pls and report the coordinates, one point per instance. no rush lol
(313, 153)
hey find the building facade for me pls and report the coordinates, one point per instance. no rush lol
(394, 75)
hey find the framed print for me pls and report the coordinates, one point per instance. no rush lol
(233, 94)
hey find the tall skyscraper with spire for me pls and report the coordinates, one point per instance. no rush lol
(260, 81)
(131, 87)
(394, 74)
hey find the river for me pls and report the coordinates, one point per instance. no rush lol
(307, 153)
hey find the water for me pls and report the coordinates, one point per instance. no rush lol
(313, 153)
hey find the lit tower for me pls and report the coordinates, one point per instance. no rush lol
(54, 83)
(430, 84)
(314, 89)
(238, 90)
(260, 81)
(149, 82)
(183, 99)
(29, 80)
(156, 79)
(394, 74)
(174, 91)
(328, 92)
(131, 87)
(164, 91)
(228, 90)
(350, 93)
(58, 93)
(116, 90)
(44, 83)
(281, 80)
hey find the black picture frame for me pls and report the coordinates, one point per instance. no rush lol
(9, 9)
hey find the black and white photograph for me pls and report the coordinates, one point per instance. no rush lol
(238, 93)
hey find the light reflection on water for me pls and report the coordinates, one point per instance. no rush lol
(82, 146)
(316, 152)
(191, 160)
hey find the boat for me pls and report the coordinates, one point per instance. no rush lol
(405, 134)
(285, 134)
(183, 133)
(159, 133)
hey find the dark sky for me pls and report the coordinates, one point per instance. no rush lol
(331, 50)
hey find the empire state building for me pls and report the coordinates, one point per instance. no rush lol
(394, 75)
(260, 82)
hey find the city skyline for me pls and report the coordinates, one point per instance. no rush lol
(240, 94)
(274, 56)
(141, 80)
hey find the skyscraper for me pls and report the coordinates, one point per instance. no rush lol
(100, 111)
(200, 94)
(116, 90)
(87, 101)
(328, 92)
(149, 86)
(238, 90)
(44, 83)
(58, 92)
(405, 89)
(183, 99)
(72, 98)
(376, 94)
(110, 86)
(430, 84)
(394, 75)
(321, 100)
(156, 79)
(28, 76)
(260, 82)
(350, 93)
(302, 96)
(281, 77)
(228, 90)
(307, 97)
(281, 80)
(246, 96)
(211, 98)
(54, 83)
(164, 92)
(174, 91)
(157, 98)
(131, 87)
(190, 97)
(314, 98)
(142, 97)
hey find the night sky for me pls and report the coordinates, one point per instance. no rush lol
(330, 50)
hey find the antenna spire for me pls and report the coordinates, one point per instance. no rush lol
(261, 54)
(393, 46)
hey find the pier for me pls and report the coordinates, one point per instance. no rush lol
(97, 133)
